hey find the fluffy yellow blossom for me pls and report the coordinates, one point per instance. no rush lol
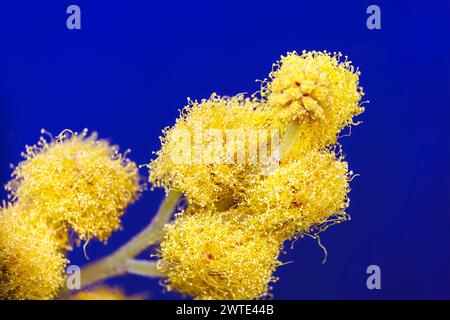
(79, 181)
(319, 90)
(199, 154)
(32, 261)
(210, 256)
(102, 293)
(299, 195)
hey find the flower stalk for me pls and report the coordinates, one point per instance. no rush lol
(143, 268)
(122, 261)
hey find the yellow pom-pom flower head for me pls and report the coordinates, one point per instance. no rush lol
(210, 256)
(195, 157)
(300, 195)
(78, 180)
(32, 259)
(318, 89)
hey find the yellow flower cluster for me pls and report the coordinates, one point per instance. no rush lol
(192, 161)
(74, 183)
(226, 244)
(32, 258)
(319, 90)
(212, 256)
(79, 180)
(298, 195)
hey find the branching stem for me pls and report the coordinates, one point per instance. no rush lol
(122, 261)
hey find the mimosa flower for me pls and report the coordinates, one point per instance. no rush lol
(299, 195)
(32, 259)
(210, 256)
(317, 89)
(79, 181)
(193, 158)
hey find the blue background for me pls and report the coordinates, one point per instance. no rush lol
(132, 65)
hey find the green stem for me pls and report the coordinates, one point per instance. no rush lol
(116, 263)
(143, 268)
(289, 140)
